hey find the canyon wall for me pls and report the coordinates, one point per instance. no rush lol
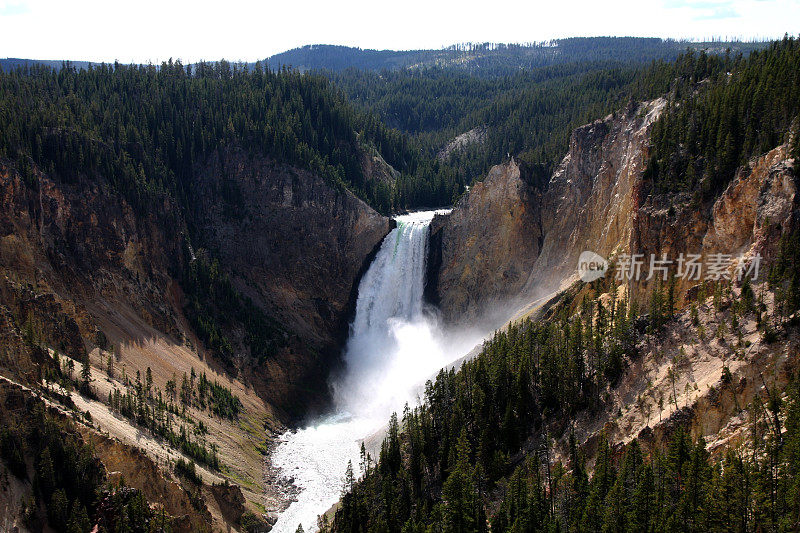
(292, 242)
(92, 272)
(511, 244)
(508, 243)
(484, 250)
(85, 277)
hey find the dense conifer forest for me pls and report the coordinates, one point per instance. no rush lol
(146, 130)
(497, 59)
(481, 434)
(724, 113)
(477, 456)
(472, 456)
(530, 114)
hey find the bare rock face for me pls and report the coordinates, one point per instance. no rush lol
(508, 244)
(746, 219)
(376, 168)
(484, 250)
(293, 243)
(508, 241)
(63, 245)
(760, 197)
(592, 198)
(461, 142)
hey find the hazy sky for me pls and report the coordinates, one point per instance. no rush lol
(154, 30)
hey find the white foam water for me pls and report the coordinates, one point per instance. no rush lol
(395, 345)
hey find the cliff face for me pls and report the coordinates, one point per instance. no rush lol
(293, 243)
(598, 200)
(748, 218)
(296, 247)
(484, 249)
(91, 273)
(595, 200)
(508, 241)
(592, 197)
(62, 245)
(84, 275)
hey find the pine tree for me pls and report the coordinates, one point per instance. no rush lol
(458, 492)
(349, 479)
(86, 378)
(45, 478)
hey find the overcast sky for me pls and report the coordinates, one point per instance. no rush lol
(155, 30)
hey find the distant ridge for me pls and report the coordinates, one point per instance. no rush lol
(498, 58)
(476, 58)
(11, 63)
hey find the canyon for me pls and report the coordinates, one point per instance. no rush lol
(510, 248)
(91, 277)
(94, 279)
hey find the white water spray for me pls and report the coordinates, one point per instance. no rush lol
(394, 347)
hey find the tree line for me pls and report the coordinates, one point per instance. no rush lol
(478, 450)
(726, 110)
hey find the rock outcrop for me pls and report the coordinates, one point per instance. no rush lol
(592, 198)
(293, 243)
(507, 243)
(513, 242)
(483, 251)
(462, 142)
(86, 276)
(746, 219)
(508, 240)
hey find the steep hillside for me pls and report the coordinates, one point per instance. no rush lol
(596, 201)
(483, 251)
(88, 278)
(637, 401)
(186, 304)
(587, 205)
(277, 235)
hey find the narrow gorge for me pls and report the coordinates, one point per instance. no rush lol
(357, 299)
(396, 343)
(508, 249)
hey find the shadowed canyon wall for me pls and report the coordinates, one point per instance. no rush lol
(80, 260)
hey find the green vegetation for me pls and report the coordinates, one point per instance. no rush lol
(528, 114)
(473, 421)
(221, 401)
(146, 130)
(68, 480)
(188, 470)
(784, 274)
(213, 306)
(478, 450)
(161, 414)
(678, 489)
(488, 60)
(730, 110)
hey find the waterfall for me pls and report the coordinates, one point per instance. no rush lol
(389, 317)
(393, 347)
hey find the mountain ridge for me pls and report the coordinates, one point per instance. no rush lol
(498, 58)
